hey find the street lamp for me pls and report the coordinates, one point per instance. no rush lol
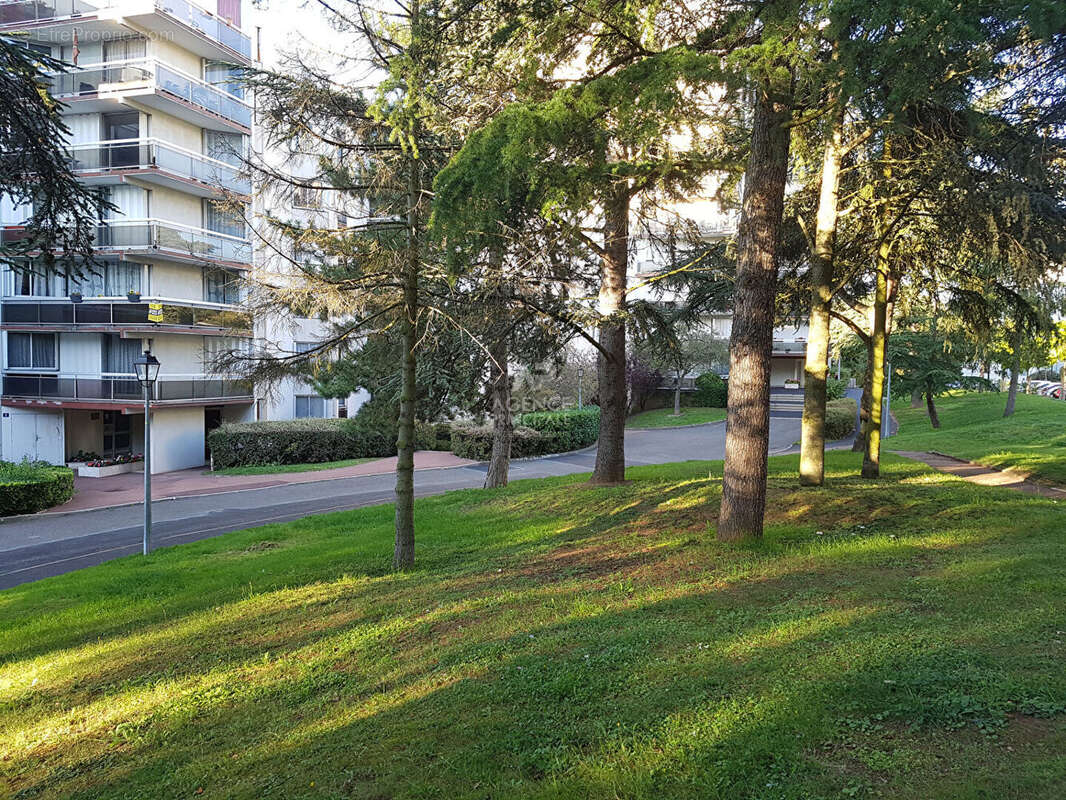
(147, 369)
(580, 376)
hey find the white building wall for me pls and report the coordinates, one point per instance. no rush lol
(177, 281)
(177, 439)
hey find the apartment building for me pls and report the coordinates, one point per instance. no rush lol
(705, 215)
(159, 125)
(275, 262)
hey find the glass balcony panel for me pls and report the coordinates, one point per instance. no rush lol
(122, 388)
(21, 312)
(56, 313)
(129, 313)
(93, 314)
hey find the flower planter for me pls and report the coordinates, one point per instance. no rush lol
(86, 471)
(76, 297)
(133, 297)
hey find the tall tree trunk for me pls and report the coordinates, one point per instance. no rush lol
(871, 460)
(859, 445)
(677, 395)
(403, 555)
(1062, 382)
(812, 441)
(916, 398)
(611, 369)
(934, 418)
(747, 438)
(1015, 368)
(502, 424)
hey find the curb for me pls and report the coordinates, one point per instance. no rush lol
(155, 500)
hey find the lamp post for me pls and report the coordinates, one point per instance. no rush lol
(147, 368)
(580, 377)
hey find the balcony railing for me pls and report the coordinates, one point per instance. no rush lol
(21, 12)
(156, 236)
(149, 74)
(122, 154)
(208, 24)
(122, 313)
(105, 388)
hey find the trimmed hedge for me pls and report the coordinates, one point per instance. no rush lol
(711, 391)
(29, 488)
(538, 433)
(570, 429)
(298, 441)
(475, 442)
(840, 418)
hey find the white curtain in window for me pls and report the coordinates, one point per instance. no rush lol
(221, 220)
(84, 128)
(12, 212)
(20, 350)
(227, 147)
(310, 405)
(132, 202)
(119, 354)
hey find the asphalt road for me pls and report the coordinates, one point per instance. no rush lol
(44, 545)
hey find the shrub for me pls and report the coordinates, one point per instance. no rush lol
(475, 442)
(570, 429)
(33, 486)
(298, 441)
(433, 435)
(834, 389)
(840, 418)
(711, 391)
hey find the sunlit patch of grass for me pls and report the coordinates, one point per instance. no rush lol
(556, 640)
(973, 428)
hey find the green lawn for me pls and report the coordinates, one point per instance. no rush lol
(902, 638)
(274, 469)
(664, 417)
(972, 426)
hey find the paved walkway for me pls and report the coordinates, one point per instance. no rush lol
(119, 490)
(984, 476)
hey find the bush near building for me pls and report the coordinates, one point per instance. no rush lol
(840, 418)
(298, 441)
(711, 391)
(29, 487)
(537, 433)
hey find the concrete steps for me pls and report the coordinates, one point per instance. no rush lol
(788, 403)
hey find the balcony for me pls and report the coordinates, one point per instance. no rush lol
(61, 315)
(93, 87)
(164, 240)
(154, 161)
(196, 29)
(123, 390)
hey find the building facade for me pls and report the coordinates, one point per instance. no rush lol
(160, 126)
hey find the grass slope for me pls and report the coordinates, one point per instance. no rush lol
(664, 417)
(900, 638)
(274, 469)
(1032, 441)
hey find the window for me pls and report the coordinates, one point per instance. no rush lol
(303, 347)
(227, 147)
(310, 405)
(342, 407)
(225, 76)
(306, 197)
(218, 347)
(33, 283)
(221, 219)
(31, 350)
(119, 354)
(221, 286)
(114, 279)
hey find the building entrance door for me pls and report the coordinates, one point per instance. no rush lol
(117, 433)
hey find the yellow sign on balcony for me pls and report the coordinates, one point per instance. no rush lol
(155, 312)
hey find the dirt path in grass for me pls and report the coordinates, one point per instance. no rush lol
(985, 476)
